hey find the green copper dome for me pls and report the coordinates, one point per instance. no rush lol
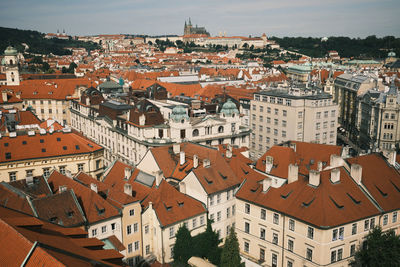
(179, 114)
(391, 54)
(10, 51)
(229, 108)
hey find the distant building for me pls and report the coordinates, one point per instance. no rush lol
(278, 115)
(190, 29)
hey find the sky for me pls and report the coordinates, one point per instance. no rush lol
(316, 18)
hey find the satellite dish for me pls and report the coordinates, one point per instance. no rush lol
(324, 39)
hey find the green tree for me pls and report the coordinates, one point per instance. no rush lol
(230, 256)
(71, 67)
(183, 248)
(379, 249)
(206, 245)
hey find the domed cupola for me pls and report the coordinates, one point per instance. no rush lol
(10, 51)
(179, 114)
(229, 109)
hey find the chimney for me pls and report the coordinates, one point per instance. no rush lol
(159, 177)
(269, 162)
(319, 166)
(150, 205)
(68, 174)
(176, 148)
(229, 151)
(4, 95)
(87, 101)
(128, 189)
(356, 172)
(391, 157)
(127, 173)
(18, 94)
(182, 158)
(293, 146)
(29, 180)
(335, 175)
(335, 161)
(314, 178)
(266, 183)
(142, 119)
(93, 186)
(293, 173)
(206, 163)
(195, 161)
(62, 188)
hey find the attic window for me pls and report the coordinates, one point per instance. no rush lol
(254, 188)
(50, 92)
(336, 204)
(8, 155)
(77, 147)
(223, 176)
(70, 214)
(395, 186)
(24, 142)
(35, 93)
(287, 195)
(208, 181)
(53, 219)
(353, 199)
(41, 141)
(64, 147)
(90, 145)
(306, 204)
(167, 207)
(5, 144)
(244, 171)
(100, 211)
(43, 149)
(180, 203)
(58, 139)
(380, 191)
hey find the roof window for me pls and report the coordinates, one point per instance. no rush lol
(43, 149)
(24, 142)
(41, 141)
(77, 147)
(8, 155)
(5, 144)
(58, 139)
(64, 147)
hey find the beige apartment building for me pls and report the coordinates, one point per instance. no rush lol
(278, 115)
(37, 154)
(321, 214)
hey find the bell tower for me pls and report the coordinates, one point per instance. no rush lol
(10, 62)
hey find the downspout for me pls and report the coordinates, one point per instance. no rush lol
(283, 240)
(29, 254)
(380, 127)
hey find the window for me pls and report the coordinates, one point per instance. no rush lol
(352, 249)
(325, 124)
(275, 131)
(254, 107)
(341, 233)
(289, 263)
(268, 120)
(340, 254)
(104, 229)
(366, 225)
(262, 233)
(80, 167)
(129, 248)
(233, 210)
(202, 220)
(194, 222)
(218, 198)
(309, 254)
(136, 245)
(284, 123)
(262, 255)
(132, 212)
(275, 238)
(147, 249)
(13, 176)
(112, 226)
(276, 218)
(247, 208)
(261, 118)
(261, 108)
(318, 115)
(310, 232)
(280, 101)
(274, 260)
(135, 227)
(284, 113)
(333, 113)
(218, 216)
(211, 200)
(228, 194)
(354, 228)
(333, 256)
(228, 212)
(263, 214)
(94, 232)
(291, 224)
(283, 133)
(268, 110)
(129, 229)
(220, 129)
(275, 121)
(299, 125)
(171, 232)
(326, 114)
(334, 234)
(62, 170)
(300, 114)
(146, 229)
(394, 218)
(212, 216)
(290, 245)
(195, 132)
(276, 111)
(246, 247)
(318, 126)
(29, 172)
(247, 227)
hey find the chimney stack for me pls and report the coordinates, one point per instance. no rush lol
(93, 187)
(269, 162)
(356, 172)
(293, 173)
(335, 175)
(206, 163)
(319, 166)
(176, 148)
(182, 158)
(314, 178)
(127, 173)
(229, 151)
(159, 177)
(195, 161)
(335, 161)
(266, 183)
(391, 157)
(62, 188)
(4, 96)
(293, 146)
(128, 189)
(29, 180)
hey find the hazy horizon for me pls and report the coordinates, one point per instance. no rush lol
(308, 18)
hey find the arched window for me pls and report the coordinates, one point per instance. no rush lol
(11, 62)
(195, 132)
(220, 129)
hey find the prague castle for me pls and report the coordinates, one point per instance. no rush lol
(189, 29)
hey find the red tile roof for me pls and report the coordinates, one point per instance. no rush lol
(53, 145)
